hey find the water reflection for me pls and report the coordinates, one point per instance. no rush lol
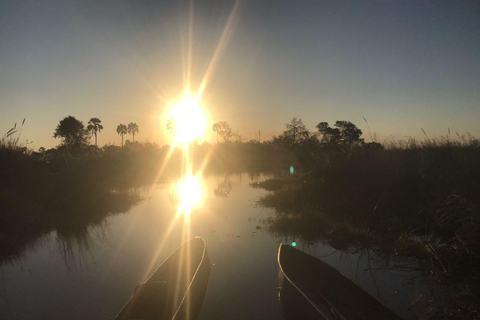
(125, 250)
(224, 187)
(72, 235)
(226, 183)
(74, 245)
(189, 193)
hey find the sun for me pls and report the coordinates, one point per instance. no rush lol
(187, 121)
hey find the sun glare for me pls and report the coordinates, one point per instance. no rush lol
(187, 121)
(189, 191)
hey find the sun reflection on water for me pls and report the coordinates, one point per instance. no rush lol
(190, 194)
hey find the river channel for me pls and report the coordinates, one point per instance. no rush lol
(90, 275)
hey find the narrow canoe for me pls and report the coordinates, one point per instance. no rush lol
(175, 290)
(311, 289)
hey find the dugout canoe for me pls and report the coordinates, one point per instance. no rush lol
(175, 291)
(310, 289)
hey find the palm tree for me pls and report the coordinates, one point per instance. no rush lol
(122, 130)
(132, 129)
(94, 126)
(172, 126)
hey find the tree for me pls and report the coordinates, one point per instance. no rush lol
(216, 128)
(132, 129)
(295, 134)
(329, 135)
(349, 132)
(122, 130)
(94, 126)
(344, 133)
(296, 131)
(223, 130)
(238, 137)
(258, 135)
(172, 126)
(72, 132)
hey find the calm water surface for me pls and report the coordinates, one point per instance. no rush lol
(91, 275)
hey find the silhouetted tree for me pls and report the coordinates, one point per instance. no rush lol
(223, 130)
(329, 135)
(132, 129)
(349, 132)
(258, 135)
(344, 133)
(238, 137)
(216, 128)
(295, 134)
(94, 126)
(122, 130)
(172, 126)
(72, 132)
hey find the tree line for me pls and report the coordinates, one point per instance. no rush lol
(343, 133)
(74, 135)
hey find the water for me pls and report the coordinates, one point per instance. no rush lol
(91, 275)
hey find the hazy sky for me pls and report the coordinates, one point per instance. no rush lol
(404, 65)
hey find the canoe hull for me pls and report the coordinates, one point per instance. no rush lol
(192, 305)
(311, 289)
(175, 290)
(295, 305)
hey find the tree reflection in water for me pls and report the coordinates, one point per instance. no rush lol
(74, 244)
(72, 234)
(224, 187)
(226, 184)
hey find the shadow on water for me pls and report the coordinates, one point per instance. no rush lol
(74, 229)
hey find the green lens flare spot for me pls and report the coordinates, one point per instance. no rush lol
(294, 244)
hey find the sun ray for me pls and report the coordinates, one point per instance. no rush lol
(164, 163)
(190, 48)
(227, 31)
(160, 247)
(190, 124)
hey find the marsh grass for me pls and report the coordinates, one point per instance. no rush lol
(416, 198)
(430, 189)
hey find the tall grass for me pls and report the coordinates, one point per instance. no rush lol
(419, 198)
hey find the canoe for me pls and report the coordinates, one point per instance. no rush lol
(311, 289)
(175, 290)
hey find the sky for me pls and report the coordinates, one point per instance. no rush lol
(403, 65)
